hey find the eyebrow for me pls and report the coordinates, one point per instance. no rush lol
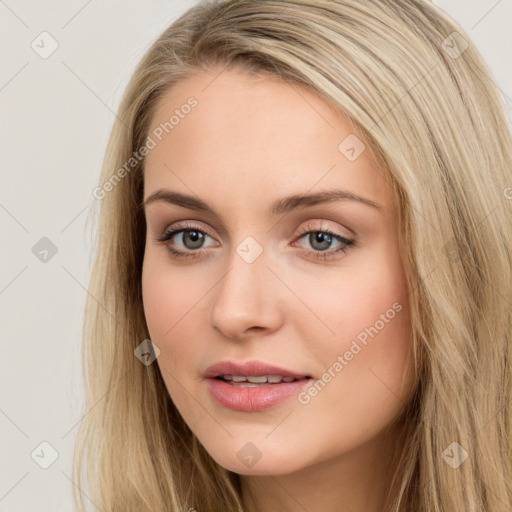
(279, 207)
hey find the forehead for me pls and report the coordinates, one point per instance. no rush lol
(256, 133)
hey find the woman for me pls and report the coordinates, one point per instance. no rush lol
(265, 147)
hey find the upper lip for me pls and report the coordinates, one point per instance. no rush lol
(249, 369)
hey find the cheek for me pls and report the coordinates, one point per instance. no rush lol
(166, 302)
(362, 302)
(169, 296)
(368, 356)
(173, 300)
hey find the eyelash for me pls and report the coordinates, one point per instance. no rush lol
(319, 255)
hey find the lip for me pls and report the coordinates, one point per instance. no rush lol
(249, 369)
(252, 399)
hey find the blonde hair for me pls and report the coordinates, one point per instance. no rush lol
(433, 117)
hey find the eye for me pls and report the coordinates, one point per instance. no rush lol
(192, 237)
(321, 239)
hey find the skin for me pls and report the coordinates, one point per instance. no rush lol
(249, 141)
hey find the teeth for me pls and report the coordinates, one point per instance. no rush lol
(272, 379)
(257, 380)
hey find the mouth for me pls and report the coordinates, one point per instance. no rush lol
(246, 396)
(253, 386)
(248, 381)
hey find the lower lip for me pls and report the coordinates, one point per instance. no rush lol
(254, 399)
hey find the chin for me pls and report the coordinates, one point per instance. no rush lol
(248, 459)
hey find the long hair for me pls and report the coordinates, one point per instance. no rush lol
(409, 78)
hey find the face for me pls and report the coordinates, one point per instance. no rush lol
(309, 289)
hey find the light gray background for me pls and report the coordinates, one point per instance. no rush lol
(56, 115)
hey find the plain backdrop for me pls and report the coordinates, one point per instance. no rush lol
(56, 115)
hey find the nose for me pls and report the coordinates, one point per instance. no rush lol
(246, 300)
